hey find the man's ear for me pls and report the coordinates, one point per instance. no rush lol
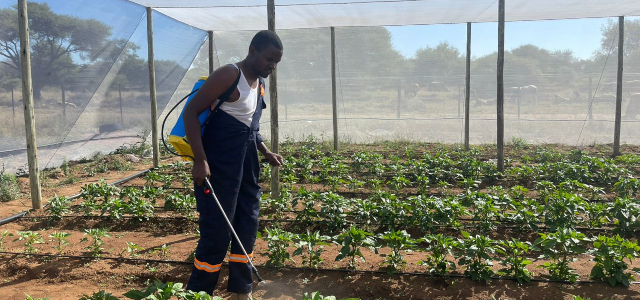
(252, 51)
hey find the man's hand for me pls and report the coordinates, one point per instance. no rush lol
(200, 171)
(274, 159)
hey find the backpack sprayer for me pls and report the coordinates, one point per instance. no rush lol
(178, 138)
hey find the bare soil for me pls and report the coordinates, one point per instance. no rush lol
(70, 278)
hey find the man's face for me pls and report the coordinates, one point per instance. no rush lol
(266, 60)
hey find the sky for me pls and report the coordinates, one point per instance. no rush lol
(581, 36)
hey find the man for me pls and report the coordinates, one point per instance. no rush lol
(226, 152)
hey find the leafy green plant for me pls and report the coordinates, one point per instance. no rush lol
(562, 247)
(563, 210)
(475, 253)
(597, 214)
(525, 213)
(398, 182)
(513, 258)
(625, 213)
(9, 189)
(332, 211)
(278, 241)
(61, 240)
(439, 246)
(159, 290)
(3, 235)
(100, 295)
(96, 240)
(310, 246)
(58, 207)
(29, 238)
(610, 254)
(27, 297)
(96, 195)
(352, 241)
(163, 251)
(133, 249)
(398, 241)
(318, 296)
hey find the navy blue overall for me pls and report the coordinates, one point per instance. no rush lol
(231, 149)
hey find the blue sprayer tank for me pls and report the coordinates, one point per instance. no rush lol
(178, 135)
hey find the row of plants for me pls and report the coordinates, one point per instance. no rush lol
(158, 290)
(453, 168)
(94, 237)
(485, 212)
(475, 253)
(109, 200)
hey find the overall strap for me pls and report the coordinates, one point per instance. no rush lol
(224, 97)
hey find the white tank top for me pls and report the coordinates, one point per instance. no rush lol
(245, 106)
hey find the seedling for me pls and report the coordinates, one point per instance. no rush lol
(133, 249)
(163, 250)
(352, 241)
(29, 238)
(61, 240)
(398, 241)
(439, 246)
(513, 259)
(100, 295)
(475, 252)
(311, 246)
(3, 235)
(562, 247)
(278, 241)
(96, 240)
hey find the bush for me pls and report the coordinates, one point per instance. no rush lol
(9, 189)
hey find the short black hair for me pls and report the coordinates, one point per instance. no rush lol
(265, 38)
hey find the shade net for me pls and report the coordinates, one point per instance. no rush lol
(91, 83)
(90, 77)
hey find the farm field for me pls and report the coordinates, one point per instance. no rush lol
(392, 220)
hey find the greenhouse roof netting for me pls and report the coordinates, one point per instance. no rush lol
(232, 15)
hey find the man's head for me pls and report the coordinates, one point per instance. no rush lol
(265, 52)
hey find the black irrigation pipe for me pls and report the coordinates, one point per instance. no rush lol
(98, 258)
(142, 260)
(540, 228)
(22, 214)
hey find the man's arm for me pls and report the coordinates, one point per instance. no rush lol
(217, 83)
(275, 159)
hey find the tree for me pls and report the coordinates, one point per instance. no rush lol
(442, 63)
(54, 39)
(609, 41)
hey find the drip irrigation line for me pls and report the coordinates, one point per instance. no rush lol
(142, 260)
(540, 228)
(98, 258)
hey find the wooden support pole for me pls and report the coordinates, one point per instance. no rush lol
(29, 114)
(467, 84)
(500, 87)
(273, 95)
(589, 100)
(618, 121)
(334, 98)
(152, 90)
(13, 106)
(460, 89)
(399, 99)
(64, 101)
(210, 35)
(120, 97)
